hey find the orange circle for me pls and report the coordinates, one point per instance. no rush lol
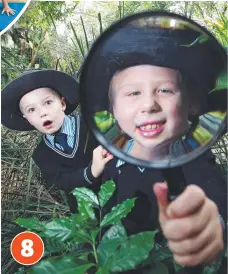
(27, 248)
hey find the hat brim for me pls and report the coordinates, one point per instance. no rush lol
(129, 46)
(64, 84)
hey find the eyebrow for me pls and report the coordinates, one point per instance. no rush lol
(49, 96)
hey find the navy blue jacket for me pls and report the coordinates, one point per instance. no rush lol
(67, 172)
(130, 182)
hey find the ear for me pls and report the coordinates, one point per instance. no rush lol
(63, 103)
(24, 116)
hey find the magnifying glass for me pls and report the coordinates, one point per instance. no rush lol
(153, 90)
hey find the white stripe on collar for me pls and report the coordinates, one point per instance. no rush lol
(76, 129)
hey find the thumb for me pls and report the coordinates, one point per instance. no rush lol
(108, 158)
(161, 193)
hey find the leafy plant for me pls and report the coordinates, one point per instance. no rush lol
(88, 241)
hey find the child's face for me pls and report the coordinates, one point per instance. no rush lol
(43, 109)
(150, 105)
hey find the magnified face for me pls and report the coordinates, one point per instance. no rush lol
(151, 106)
(153, 88)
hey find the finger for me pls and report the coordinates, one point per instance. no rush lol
(161, 192)
(97, 149)
(104, 152)
(210, 251)
(187, 203)
(195, 243)
(182, 228)
(107, 159)
(107, 154)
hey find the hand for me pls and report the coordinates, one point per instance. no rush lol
(8, 10)
(190, 224)
(100, 158)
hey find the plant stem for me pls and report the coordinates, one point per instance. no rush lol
(100, 211)
(95, 253)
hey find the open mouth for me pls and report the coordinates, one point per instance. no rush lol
(151, 129)
(47, 123)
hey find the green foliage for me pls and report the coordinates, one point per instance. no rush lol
(61, 265)
(72, 244)
(106, 192)
(133, 251)
(115, 252)
(118, 212)
(219, 27)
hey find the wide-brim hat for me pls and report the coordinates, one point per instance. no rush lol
(65, 85)
(188, 50)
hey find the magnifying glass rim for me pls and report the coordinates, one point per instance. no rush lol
(161, 164)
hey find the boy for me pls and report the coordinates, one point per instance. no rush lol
(42, 100)
(140, 68)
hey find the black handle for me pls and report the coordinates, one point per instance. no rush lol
(176, 181)
(176, 184)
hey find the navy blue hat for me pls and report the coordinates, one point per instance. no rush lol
(64, 84)
(187, 50)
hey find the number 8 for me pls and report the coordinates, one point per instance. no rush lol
(27, 250)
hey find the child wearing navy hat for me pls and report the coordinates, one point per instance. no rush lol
(67, 155)
(146, 77)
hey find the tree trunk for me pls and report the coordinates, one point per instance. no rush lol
(36, 51)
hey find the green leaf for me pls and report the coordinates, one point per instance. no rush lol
(53, 245)
(161, 254)
(106, 192)
(82, 237)
(86, 210)
(113, 238)
(104, 120)
(61, 265)
(94, 233)
(59, 228)
(86, 195)
(221, 82)
(133, 251)
(118, 212)
(31, 224)
(200, 40)
(102, 271)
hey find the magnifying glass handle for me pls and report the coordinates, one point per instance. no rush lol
(176, 185)
(176, 182)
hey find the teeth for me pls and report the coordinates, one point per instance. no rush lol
(147, 127)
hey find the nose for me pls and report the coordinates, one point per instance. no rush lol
(149, 104)
(43, 112)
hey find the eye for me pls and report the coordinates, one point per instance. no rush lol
(30, 110)
(134, 93)
(164, 90)
(48, 102)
